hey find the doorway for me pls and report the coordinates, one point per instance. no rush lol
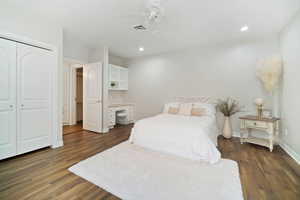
(79, 96)
(83, 97)
(73, 97)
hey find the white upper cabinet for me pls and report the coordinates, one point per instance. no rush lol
(118, 77)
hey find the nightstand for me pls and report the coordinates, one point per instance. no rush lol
(267, 125)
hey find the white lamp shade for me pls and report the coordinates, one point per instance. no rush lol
(259, 101)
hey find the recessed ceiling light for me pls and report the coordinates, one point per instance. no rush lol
(141, 49)
(244, 28)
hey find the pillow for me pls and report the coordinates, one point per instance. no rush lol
(185, 109)
(173, 110)
(198, 112)
(209, 108)
(168, 105)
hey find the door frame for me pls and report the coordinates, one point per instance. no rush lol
(74, 64)
(73, 93)
(56, 135)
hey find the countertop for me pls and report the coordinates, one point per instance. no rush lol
(121, 104)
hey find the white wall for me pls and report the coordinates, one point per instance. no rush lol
(290, 48)
(219, 71)
(74, 49)
(14, 21)
(116, 60)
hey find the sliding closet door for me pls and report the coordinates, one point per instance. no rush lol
(35, 90)
(7, 98)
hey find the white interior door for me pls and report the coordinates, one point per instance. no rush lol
(35, 90)
(8, 124)
(92, 97)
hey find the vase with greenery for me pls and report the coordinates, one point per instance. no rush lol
(228, 107)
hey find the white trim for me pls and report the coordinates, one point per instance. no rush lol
(290, 151)
(236, 134)
(72, 93)
(105, 130)
(74, 64)
(25, 40)
(74, 61)
(283, 145)
(56, 108)
(59, 143)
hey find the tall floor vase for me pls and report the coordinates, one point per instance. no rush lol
(227, 129)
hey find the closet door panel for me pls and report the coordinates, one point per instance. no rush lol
(7, 98)
(35, 76)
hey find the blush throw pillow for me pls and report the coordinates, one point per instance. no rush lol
(168, 105)
(185, 109)
(198, 112)
(173, 110)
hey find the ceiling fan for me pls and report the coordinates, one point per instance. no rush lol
(151, 17)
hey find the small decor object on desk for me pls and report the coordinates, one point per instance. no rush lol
(259, 105)
(228, 107)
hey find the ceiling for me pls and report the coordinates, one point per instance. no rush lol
(187, 23)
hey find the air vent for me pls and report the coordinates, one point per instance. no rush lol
(139, 27)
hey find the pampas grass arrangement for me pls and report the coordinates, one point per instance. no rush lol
(228, 106)
(269, 72)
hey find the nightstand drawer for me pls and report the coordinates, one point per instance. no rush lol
(256, 124)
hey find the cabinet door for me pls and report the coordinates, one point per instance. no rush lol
(35, 89)
(7, 98)
(114, 73)
(123, 83)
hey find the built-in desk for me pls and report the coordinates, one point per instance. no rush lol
(114, 108)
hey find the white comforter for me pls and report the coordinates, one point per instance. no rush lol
(185, 136)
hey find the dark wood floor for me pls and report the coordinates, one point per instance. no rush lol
(43, 174)
(72, 129)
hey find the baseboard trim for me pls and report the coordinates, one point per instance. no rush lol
(236, 134)
(283, 145)
(290, 151)
(105, 130)
(57, 144)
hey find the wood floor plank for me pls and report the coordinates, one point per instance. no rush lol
(43, 174)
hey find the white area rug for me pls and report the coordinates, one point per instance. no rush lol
(134, 173)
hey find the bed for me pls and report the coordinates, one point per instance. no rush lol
(166, 149)
(190, 137)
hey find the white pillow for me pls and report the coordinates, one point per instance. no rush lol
(168, 105)
(209, 108)
(185, 109)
